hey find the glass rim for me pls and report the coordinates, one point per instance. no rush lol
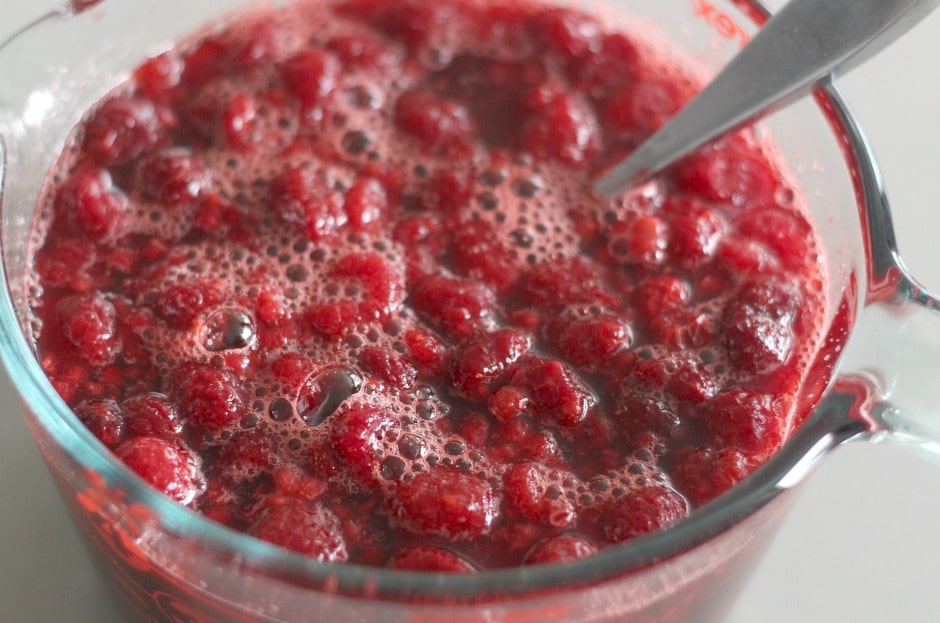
(818, 434)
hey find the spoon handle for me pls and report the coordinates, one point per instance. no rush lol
(805, 42)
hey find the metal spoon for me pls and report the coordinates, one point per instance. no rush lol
(807, 42)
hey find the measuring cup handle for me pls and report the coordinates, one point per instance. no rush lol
(895, 349)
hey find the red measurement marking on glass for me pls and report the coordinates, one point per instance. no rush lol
(723, 23)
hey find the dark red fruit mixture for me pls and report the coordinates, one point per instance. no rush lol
(334, 276)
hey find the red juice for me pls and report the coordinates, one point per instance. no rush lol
(334, 276)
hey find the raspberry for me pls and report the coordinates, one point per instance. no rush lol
(445, 503)
(413, 229)
(728, 174)
(165, 465)
(204, 62)
(555, 394)
(563, 129)
(648, 375)
(89, 325)
(561, 548)
(639, 242)
(642, 511)
(427, 351)
(641, 107)
(302, 196)
(691, 381)
(785, 232)
(590, 343)
(304, 528)
(745, 420)
(270, 308)
(478, 254)
(563, 283)
(481, 363)
(568, 32)
(696, 233)
(507, 402)
(358, 435)
(247, 455)
(365, 204)
(174, 177)
(597, 72)
(740, 256)
(262, 46)
(104, 419)
(122, 129)
(415, 21)
(387, 367)
(532, 493)
(208, 397)
(428, 558)
(66, 265)
(89, 203)
(158, 76)
(704, 473)
(683, 329)
(459, 307)
(291, 481)
(365, 53)
(493, 92)
(292, 369)
(640, 415)
(239, 121)
(151, 415)
(383, 284)
(311, 75)
(440, 126)
(660, 294)
(447, 192)
(334, 320)
(757, 328)
(181, 304)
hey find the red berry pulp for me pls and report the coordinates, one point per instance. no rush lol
(334, 275)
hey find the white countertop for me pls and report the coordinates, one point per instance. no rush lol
(861, 542)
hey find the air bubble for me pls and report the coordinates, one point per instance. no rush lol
(327, 391)
(522, 238)
(785, 196)
(298, 273)
(228, 329)
(455, 448)
(526, 188)
(280, 410)
(392, 468)
(363, 97)
(411, 447)
(492, 177)
(488, 201)
(355, 142)
(425, 410)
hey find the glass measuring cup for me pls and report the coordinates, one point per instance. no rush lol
(150, 557)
